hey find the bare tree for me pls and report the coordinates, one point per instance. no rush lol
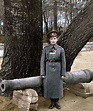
(77, 34)
(1, 16)
(55, 14)
(60, 13)
(1, 10)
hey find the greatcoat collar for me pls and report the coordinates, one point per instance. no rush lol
(51, 46)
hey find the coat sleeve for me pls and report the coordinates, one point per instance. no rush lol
(63, 62)
(43, 63)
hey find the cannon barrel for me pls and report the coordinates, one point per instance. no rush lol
(83, 76)
(20, 84)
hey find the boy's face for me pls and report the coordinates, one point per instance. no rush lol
(53, 40)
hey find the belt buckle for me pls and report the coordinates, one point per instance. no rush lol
(51, 60)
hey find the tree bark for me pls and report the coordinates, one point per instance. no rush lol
(77, 34)
(55, 14)
(45, 21)
(23, 38)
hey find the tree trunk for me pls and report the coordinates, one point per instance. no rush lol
(23, 38)
(55, 14)
(45, 21)
(77, 34)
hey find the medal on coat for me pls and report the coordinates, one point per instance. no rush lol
(52, 51)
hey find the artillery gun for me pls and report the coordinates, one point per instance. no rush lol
(83, 76)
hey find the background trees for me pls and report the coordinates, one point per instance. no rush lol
(61, 13)
(1, 20)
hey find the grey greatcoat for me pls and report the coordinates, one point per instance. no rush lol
(53, 66)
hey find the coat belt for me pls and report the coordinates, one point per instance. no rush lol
(52, 60)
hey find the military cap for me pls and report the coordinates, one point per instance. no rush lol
(52, 33)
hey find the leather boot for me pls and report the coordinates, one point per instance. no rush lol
(57, 105)
(51, 106)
